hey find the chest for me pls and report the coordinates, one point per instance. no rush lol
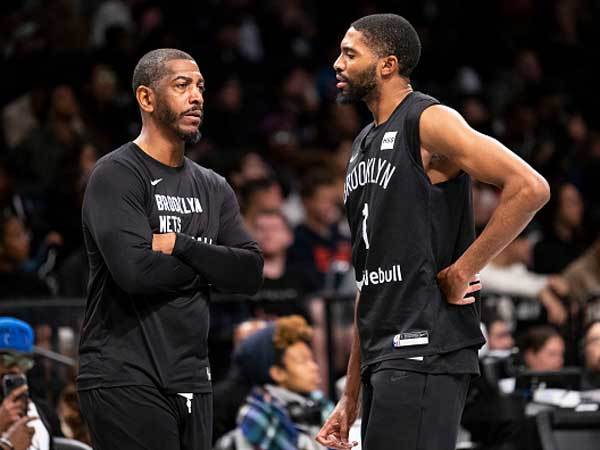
(185, 205)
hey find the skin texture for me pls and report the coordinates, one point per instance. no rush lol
(448, 145)
(300, 372)
(499, 336)
(548, 358)
(13, 421)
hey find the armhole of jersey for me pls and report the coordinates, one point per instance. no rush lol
(413, 138)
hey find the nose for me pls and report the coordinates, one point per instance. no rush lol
(197, 97)
(337, 64)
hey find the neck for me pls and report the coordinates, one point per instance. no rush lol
(274, 266)
(387, 98)
(162, 145)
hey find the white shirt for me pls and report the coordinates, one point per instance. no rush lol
(512, 280)
(41, 438)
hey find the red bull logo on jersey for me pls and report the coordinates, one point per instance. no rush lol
(380, 276)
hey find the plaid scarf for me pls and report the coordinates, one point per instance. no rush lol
(265, 422)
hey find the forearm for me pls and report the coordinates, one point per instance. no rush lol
(518, 204)
(226, 268)
(352, 388)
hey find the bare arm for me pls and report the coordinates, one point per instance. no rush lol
(334, 433)
(524, 191)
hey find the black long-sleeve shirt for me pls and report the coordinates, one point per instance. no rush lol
(146, 320)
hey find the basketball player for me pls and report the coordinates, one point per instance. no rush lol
(161, 232)
(408, 200)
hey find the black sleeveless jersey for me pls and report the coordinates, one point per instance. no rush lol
(404, 231)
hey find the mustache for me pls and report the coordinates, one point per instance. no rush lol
(191, 110)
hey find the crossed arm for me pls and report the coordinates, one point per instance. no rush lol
(115, 218)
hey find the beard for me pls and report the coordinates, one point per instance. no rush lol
(359, 89)
(169, 118)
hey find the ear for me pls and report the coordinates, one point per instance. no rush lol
(389, 66)
(277, 374)
(145, 98)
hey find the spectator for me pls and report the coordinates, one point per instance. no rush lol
(318, 242)
(543, 349)
(260, 195)
(591, 355)
(38, 157)
(284, 410)
(499, 336)
(16, 346)
(508, 274)
(285, 286)
(16, 275)
(583, 274)
(562, 241)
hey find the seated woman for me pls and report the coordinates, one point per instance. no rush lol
(284, 410)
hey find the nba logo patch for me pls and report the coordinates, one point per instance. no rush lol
(389, 138)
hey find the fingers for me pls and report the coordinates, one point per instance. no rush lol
(462, 301)
(18, 392)
(26, 419)
(475, 287)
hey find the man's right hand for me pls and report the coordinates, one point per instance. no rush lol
(334, 433)
(21, 435)
(12, 408)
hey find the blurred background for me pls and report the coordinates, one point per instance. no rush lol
(518, 70)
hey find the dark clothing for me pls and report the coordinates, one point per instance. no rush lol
(21, 284)
(146, 319)
(405, 230)
(552, 255)
(315, 253)
(229, 395)
(410, 410)
(463, 361)
(142, 418)
(590, 380)
(286, 295)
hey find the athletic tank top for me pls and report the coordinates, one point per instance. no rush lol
(404, 231)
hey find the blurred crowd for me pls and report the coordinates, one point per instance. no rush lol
(517, 70)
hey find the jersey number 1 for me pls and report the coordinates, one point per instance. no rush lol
(365, 212)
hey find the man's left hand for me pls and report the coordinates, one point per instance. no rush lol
(163, 243)
(458, 289)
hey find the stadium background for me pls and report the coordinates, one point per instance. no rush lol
(518, 70)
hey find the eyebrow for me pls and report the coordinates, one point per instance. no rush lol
(188, 79)
(347, 48)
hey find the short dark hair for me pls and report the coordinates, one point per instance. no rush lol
(152, 66)
(390, 34)
(315, 179)
(536, 337)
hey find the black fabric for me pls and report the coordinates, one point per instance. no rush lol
(229, 395)
(140, 417)
(413, 230)
(285, 295)
(146, 319)
(315, 253)
(410, 410)
(463, 361)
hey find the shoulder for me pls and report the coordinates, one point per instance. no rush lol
(116, 172)
(205, 174)
(420, 97)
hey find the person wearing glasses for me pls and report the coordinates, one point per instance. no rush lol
(24, 423)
